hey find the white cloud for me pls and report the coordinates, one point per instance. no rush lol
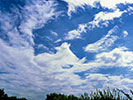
(117, 57)
(110, 81)
(102, 81)
(130, 10)
(100, 19)
(64, 56)
(108, 16)
(6, 23)
(73, 4)
(44, 73)
(53, 63)
(104, 17)
(72, 35)
(103, 43)
(76, 33)
(18, 67)
(36, 15)
(39, 73)
(110, 4)
(119, 82)
(125, 33)
(9, 31)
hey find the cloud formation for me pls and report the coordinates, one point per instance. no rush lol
(104, 17)
(36, 15)
(33, 76)
(100, 19)
(111, 4)
(75, 34)
(104, 43)
(117, 57)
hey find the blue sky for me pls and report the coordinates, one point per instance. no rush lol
(65, 46)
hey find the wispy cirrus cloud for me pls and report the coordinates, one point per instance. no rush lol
(104, 43)
(36, 16)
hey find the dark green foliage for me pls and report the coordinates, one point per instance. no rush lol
(115, 94)
(54, 96)
(4, 96)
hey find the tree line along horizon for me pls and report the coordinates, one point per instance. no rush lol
(106, 94)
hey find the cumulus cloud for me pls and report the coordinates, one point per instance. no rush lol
(120, 57)
(117, 57)
(64, 56)
(103, 43)
(54, 65)
(22, 69)
(74, 34)
(111, 4)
